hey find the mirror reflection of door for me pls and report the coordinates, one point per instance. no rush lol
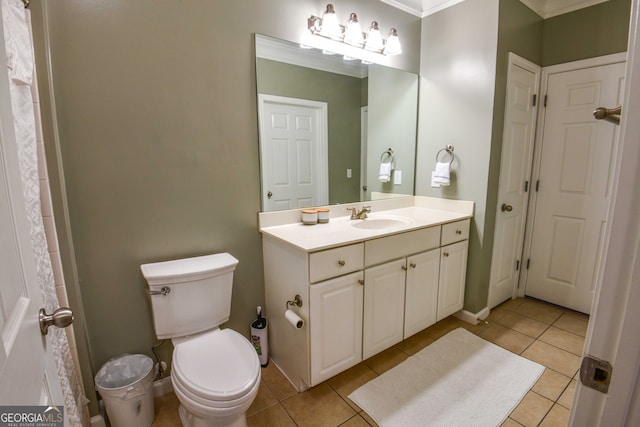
(293, 141)
(364, 117)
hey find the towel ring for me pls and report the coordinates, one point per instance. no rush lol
(449, 149)
(387, 153)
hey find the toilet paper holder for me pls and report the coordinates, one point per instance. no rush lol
(297, 301)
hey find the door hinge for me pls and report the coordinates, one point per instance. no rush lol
(537, 185)
(535, 99)
(526, 186)
(545, 100)
(595, 373)
(528, 262)
(517, 265)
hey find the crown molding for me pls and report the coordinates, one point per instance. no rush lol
(544, 8)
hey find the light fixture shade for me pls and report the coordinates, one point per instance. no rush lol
(330, 26)
(353, 32)
(392, 47)
(374, 38)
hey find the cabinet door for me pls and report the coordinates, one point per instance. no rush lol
(453, 272)
(421, 299)
(383, 307)
(335, 311)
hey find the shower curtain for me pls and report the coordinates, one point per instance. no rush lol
(21, 71)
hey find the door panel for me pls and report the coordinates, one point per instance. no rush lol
(336, 330)
(576, 163)
(421, 299)
(383, 307)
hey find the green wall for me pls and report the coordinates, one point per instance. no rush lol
(519, 31)
(594, 31)
(343, 94)
(153, 145)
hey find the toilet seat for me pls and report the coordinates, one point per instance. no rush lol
(217, 369)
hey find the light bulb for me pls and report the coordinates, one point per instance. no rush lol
(353, 32)
(392, 47)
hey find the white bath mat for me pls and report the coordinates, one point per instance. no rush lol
(460, 380)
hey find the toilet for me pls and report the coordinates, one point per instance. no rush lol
(215, 372)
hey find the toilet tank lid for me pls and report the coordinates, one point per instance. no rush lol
(188, 269)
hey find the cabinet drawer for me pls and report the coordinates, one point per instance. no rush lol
(335, 262)
(455, 232)
(387, 248)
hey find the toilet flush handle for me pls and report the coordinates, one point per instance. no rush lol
(164, 291)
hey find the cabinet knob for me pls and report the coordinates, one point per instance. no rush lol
(361, 282)
(404, 268)
(341, 263)
(445, 253)
(412, 265)
(458, 231)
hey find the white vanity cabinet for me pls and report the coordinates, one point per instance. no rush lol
(358, 298)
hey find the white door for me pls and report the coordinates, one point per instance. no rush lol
(613, 326)
(336, 331)
(421, 292)
(383, 307)
(27, 376)
(574, 184)
(293, 144)
(515, 171)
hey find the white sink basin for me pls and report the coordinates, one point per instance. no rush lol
(382, 222)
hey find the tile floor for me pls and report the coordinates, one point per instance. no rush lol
(544, 333)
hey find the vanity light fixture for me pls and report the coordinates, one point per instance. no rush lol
(352, 34)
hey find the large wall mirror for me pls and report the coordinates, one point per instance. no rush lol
(329, 127)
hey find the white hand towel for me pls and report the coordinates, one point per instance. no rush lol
(442, 174)
(385, 172)
(434, 184)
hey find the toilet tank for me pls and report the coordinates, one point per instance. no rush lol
(198, 297)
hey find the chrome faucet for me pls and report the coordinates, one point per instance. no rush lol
(359, 215)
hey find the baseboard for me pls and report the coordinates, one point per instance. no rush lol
(473, 318)
(98, 421)
(162, 387)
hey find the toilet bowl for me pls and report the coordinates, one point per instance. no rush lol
(215, 372)
(215, 376)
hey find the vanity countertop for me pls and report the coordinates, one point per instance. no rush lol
(342, 230)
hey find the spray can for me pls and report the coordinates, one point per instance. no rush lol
(259, 338)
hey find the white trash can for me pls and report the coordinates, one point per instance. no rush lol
(125, 384)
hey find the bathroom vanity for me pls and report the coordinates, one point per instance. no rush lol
(364, 284)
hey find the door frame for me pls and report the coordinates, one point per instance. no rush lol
(535, 171)
(322, 160)
(364, 136)
(515, 60)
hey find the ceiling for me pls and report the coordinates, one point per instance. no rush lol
(544, 8)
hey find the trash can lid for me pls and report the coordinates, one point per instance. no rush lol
(124, 370)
